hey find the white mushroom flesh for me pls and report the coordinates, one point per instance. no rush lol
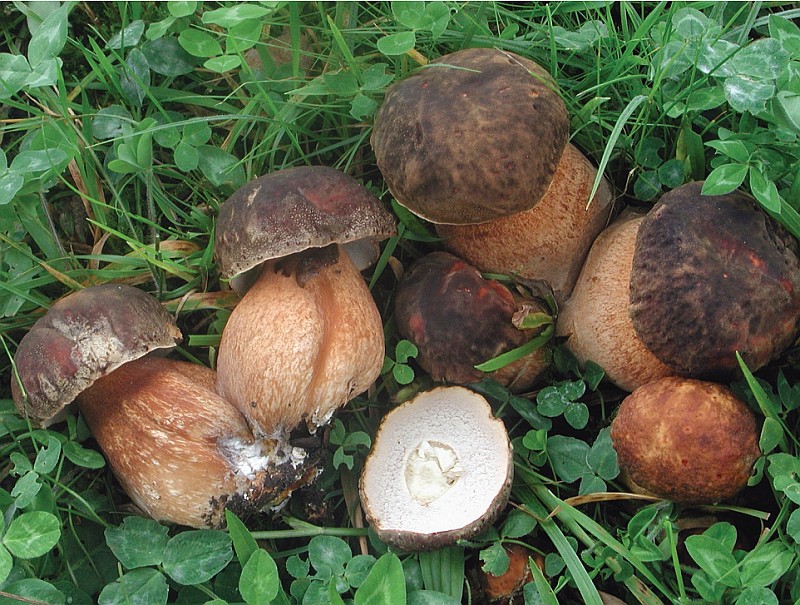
(454, 455)
(431, 470)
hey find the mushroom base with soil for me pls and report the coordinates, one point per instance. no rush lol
(181, 452)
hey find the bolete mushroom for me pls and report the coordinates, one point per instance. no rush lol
(696, 280)
(548, 242)
(472, 137)
(686, 440)
(307, 336)
(458, 320)
(181, 452)
(595, 318)
(440, 470)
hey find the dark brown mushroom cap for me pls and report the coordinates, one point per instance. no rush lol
(457, 319)
(292, 210)
(473, 137)
(713, 275)
(83, 336)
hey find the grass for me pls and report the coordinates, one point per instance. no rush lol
(124, 126)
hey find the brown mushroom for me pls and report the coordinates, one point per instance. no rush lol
(686, 440)
(181, 452)
(595, 318)
(548, 242)
(472, 137)
(83, 336)
(504, 588)
(695, 281)
(440, 470)
(712, 276)
(458, 320)
(307, 336)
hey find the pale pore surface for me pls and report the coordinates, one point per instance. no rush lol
(464, 424)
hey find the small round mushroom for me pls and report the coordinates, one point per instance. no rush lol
(473, 137)
(506, 587)
(550, 241)
(181, 452)
(595, 318)
(440, 470)
(457, 319)
(690, 284)
(307, 336)
(685, 440)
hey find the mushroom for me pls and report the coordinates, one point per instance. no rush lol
(307, 336)
(457, 319)
(440, 470)
(181, 452)
(472, 137)
(83, 336)
(713, 275)
(548, 242)
(506, 587)
(693, 282)
(685, 440)
(595, 318)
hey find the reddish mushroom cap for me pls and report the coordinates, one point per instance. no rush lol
(83, 336)
(292, 210)
(713, 275)
(457, 319)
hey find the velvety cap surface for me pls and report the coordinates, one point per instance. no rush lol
(473, 137)
(713, 275)
(292, 210)
(82, 337)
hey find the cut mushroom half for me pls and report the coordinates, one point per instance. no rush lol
(440, 470)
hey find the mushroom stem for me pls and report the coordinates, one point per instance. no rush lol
(304, 340)
(180, 451)
(595, 318)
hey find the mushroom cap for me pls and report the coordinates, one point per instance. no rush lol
(686, 440)
(550, 241)
(458, 422)
(457, 319)
(292, 210)
(595, 318)
(473, 137)
(713, 275)
(83, 336)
